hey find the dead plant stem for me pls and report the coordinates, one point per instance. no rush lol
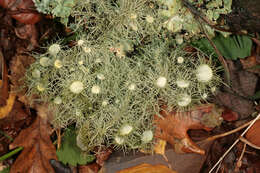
(230, 148)
(239, 161)
(249, 143)
(212, 138)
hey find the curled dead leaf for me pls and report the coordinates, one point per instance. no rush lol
(22, 10)
(18, 67)
(5, 110)
(28, 32)
(250, 63)
(243, 86)
(4, 80)
(148, 168)
(38, 148)
(252, 134)
(90, 168)
(159, 147)
(173, 126)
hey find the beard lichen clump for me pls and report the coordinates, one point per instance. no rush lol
(113, 99)
(123, 68)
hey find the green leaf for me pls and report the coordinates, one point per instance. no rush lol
(231, 47)
(70, 153)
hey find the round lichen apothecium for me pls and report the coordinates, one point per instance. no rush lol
(182, 83)
(161, 81)
(95, 89)
(119, 140)
(147, 136)
(184, 100)
(76, 87)
(204, 73)
(125, 129)
(54, 49)
(57, 63)
(132, 87)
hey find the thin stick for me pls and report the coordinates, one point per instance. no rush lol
(239, 161)
(230, 148)
(220, 57)
(203, 17)
(212, 138)
(249, 143)
(59, 138)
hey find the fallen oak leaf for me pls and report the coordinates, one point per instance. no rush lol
(173, 126)
(22, 10)
(38, 148)
(251, 63)
(5, 110)
(159, 147)
(252, 134)
(148, 168)
(243, 87)
(28, 32)
(90, 168)
(18, 66)
(229, 115)
(4, 80)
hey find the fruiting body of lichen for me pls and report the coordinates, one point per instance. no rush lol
(161, 82)
(204, 73)
(54, 49)
(76, 87)
(147, 136)
(125, 129)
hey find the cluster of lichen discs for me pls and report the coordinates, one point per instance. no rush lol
(112, 99)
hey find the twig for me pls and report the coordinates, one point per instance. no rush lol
(239, 161)
(58, 138)
(249, 143)
(203, 17)
(212, 138)
(230, 148)
(220, 57)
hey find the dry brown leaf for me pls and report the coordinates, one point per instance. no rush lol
(147, 168)
(229, 115)
(18, 67)
(22, 10)
(90, 168)
(250, 63)
(159, 147)
(5, 110)
(252, 134)
(173, 126)
(38, 148)
(28, 32)
(243, 85)
(4, 87)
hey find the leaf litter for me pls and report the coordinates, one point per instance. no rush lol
(39, 147)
